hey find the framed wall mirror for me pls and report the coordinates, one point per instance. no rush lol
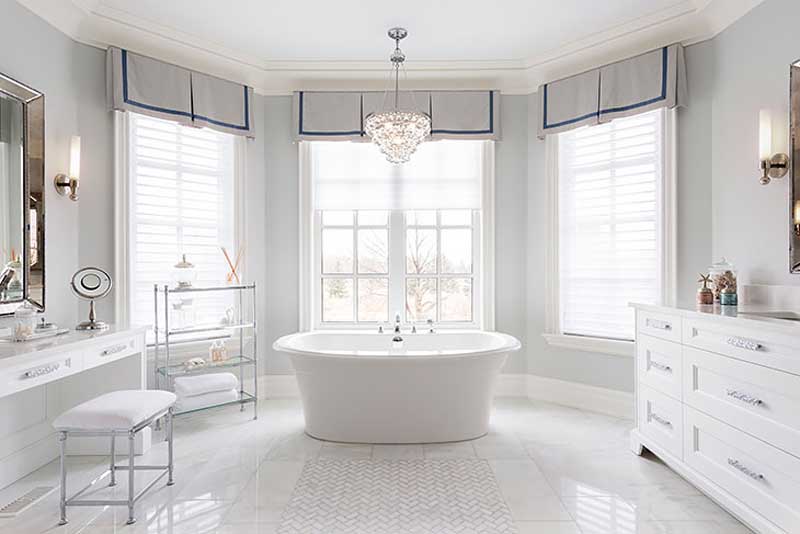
(21, 196)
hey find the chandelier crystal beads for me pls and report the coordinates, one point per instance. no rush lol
(397, 133)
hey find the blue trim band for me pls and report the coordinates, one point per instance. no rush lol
(301, 131)
(132, 102)
(662, 96)
(191, 114)
(490, 130)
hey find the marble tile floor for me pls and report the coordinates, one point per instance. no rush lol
(560, 470)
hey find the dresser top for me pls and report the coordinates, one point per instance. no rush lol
(743, 314)
(72, 340)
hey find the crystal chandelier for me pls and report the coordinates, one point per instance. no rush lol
(397, 133)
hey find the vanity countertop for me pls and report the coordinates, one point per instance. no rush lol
(735, 314)
(64, 342)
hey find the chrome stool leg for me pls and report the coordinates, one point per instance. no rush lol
(131, 495)
(113, 462)
(170, 435)
(62, 441)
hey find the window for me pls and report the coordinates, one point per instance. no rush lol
(612, 225)
(403, 240)
(181, 201)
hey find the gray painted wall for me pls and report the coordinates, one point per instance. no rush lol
(67, 73)
(751, 72)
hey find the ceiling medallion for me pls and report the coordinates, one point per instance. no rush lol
(397, 133)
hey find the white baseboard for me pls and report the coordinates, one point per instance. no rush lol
(572, 394)
(285, 386)
(582, 396)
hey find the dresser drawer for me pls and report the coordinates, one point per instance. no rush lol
(110, 350)
(661, 419)
(749, 343)
(35, 374)
(659, 324)
(763, 477)
(759, 400)
(659, 365)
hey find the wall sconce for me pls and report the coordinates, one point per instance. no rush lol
(69, 183)
(772, 165)
(796, 218)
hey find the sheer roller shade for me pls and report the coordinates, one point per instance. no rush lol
(182, 202)
(356, 176)
(610, 183)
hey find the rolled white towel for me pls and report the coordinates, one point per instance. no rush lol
(190, 386)
(208, 399)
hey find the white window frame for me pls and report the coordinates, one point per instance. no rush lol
(553, 334)
(123, 206)
(310, 317)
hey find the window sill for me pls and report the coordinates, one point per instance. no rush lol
(592, 344)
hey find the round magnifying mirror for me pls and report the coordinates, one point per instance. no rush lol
(91, 283)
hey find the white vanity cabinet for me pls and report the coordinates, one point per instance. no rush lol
(718, 400)
(40, 379)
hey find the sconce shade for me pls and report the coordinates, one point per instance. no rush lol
(764, 135)
(75, 157)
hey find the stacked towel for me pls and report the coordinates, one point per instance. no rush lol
(191, 386)
(199, 391)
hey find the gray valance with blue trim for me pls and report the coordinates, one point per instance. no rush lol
(339, 116)
(649, 81)
(152, 87)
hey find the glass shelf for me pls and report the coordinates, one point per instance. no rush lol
(207, 328)
(179, 369)
(244, 398)
(202, 289)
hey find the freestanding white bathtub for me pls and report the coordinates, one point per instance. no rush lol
(357, 388)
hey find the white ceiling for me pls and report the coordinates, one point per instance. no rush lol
(283, 45)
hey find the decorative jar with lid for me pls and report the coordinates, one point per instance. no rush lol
(184, 273)
(24, 322)
(723, 275)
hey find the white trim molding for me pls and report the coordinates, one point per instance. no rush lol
(94, 23)
(613, 347)
(582, 396)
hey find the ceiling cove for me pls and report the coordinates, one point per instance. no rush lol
(516, 47)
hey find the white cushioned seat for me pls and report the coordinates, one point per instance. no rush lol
(118, 410)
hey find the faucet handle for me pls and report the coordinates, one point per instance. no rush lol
(430, 326)
(380, 329)
(396, 317)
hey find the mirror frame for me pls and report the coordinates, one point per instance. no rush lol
(33, 169)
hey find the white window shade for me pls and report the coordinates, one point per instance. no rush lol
(610, 218)
(440, 175)
(181, 202)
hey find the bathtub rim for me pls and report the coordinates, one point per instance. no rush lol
(512, 344)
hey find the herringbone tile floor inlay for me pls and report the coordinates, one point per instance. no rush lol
(447, 496)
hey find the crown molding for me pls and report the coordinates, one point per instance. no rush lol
(92, 23)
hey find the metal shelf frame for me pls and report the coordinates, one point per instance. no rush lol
(165, 340)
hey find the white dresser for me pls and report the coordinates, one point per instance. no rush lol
(718, 400)
(40, 379)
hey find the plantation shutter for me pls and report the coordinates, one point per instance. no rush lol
(182, 202)
(610, 183)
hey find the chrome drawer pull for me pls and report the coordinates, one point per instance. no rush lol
(661, 367)
(744, 397)
(736, 464)
(744, 343)
(41, 371)
(657, 418)
(113, 350)
(660, 325)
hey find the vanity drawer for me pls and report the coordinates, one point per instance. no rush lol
(35, 374)
(658, 324)
(111, 350)
(752, 344)
(659, 365)
(763, 477)
(661, 419)
(759, 400)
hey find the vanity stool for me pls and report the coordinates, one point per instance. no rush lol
(115, 414)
